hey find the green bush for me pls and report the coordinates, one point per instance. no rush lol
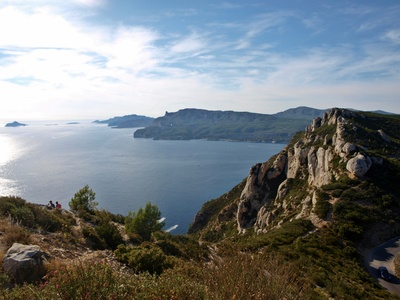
(93, 238)
(336, 193)
(84, 199)
(145, 221)
(145, 258)
(9, 203)
(24, 216)
(322, 207)
(109, 233)
(181, 246)
(49, 220)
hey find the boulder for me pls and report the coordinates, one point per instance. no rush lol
(359, 165)
(348, 149)
(24, 263)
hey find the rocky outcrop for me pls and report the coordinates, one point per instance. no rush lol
(310, 159)
(253, 197)
(359, 165)
(24, 263)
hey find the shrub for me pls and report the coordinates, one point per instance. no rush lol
(13, 233)
(6, 207)
(8, 204)
(322, 206)
(48, 220)
(181, 246)
(109, 233)
(87, 216)
(23, 215)
(93, 238)
(145, 221)
(145, 258)
(84, 199)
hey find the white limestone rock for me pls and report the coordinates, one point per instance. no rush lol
(359, 165)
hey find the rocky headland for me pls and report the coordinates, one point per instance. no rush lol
(15, 124)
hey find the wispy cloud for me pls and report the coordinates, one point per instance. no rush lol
(91, 3)
(193, 43)
(55, 59)
(392, 36)
(266, 21)
(227, 5)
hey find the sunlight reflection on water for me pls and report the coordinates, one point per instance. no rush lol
(7, 150)
(8, 153)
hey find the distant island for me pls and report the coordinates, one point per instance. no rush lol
(190, 123)
(128, 121)
(15, 124)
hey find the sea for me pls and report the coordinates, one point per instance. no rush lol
(53, 160)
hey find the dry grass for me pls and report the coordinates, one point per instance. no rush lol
(11, 233)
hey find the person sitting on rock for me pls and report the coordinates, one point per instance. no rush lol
(51, 205)
(58, 205)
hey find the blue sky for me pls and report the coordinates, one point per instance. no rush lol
(95, 59)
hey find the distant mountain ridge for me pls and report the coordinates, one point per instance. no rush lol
(300, 113)
(191, 123)
(127, 121)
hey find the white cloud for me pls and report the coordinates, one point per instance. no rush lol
(91, 3)
(393, 36)
(56, 63)
(266, 21)
(193, 43)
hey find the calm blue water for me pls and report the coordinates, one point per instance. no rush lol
(43, 162)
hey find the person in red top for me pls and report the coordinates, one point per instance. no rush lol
(58, 205)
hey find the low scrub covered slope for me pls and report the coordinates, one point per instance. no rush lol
(298, 227)
(330, 195)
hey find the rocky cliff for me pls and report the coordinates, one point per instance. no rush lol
(340, 149)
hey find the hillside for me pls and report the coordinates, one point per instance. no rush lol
(189, 124)
(128, 121)
(324, 201)
(300, 226)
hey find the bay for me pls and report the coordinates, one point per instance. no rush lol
(51, 161)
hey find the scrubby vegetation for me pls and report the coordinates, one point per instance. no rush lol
(144, 222)
(84, 200)
(165, 267)
(296, 257)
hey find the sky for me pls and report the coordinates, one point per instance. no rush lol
(96, 59)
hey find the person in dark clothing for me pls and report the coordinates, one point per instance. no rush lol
(51, 205)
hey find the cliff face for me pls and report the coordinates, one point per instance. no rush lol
(289, 186)
(310, 159)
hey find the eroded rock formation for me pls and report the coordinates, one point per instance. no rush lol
(311, 160)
